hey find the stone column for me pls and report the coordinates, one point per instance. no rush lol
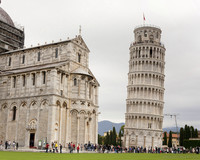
(86, 129)
(60, 124)
(78, 129)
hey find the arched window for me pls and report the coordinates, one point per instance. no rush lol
(14, 113)
(75, 81)
(79, 58)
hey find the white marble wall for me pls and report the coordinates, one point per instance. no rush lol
(47, 101)
(145, 91)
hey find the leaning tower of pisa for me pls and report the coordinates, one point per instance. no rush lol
(145, 90)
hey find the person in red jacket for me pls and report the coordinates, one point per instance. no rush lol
(47, 147)
(78, 148)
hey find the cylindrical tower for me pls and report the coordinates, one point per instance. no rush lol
(145, 90)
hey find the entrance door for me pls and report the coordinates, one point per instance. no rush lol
(32, 139)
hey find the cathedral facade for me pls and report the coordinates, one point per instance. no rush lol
(145, 90)
(47, 93)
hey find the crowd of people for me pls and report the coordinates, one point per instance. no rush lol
(71, 148)
(9, 145)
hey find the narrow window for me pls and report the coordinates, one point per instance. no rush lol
(33, 78)
(149, 125)
(75, 82)
(14, 82)
(23, 59)
(145, 33)
(139, 53)
(56, 53)
(9, 62)
(151, 53)
(61, 77)
(79, 58)
(90, 90)
(14, 113)
(156, 34)
(24, 80)
(38, 56)
(44, 77)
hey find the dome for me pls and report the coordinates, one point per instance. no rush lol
(5, 17)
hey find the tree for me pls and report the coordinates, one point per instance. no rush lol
(114, 136)
(181, 136)
(170, 139)
(188, 132)
(122, 130)
(121, 134)
(110, 137)
(165, 138)
(196, 133)
(120, 137)
(107, 139)
(192, 132)
(100, 139)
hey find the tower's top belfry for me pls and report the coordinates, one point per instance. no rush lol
(147, 34)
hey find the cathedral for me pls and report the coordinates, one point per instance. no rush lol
(47, 92)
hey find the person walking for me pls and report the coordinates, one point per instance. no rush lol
(60, 148)
(17, 145)
(47, 147)
(1, 145)
(56, 147)
(6, 145)
(78, 148)
(13, 145)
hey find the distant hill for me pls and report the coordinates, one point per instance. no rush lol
(173, 129)
(105, 126)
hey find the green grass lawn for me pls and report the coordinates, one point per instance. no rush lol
(94, 156)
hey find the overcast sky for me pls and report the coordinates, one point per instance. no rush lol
(107, 28)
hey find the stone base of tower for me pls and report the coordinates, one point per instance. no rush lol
(142, 138)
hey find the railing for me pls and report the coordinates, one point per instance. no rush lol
(146, 25)
(148, 42)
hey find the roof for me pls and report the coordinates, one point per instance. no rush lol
(81, 71)
(174, 135)
(5, 17)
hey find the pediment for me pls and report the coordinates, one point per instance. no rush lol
(80, 42)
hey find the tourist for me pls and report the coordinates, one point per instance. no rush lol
(6, 145)
(1, 145)
(78, 148)
(17, 145)
(14, 145)
(81, 147)
(60, 148)
(56, 147)
(73, 146)
(47, 147)
(53, 147)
